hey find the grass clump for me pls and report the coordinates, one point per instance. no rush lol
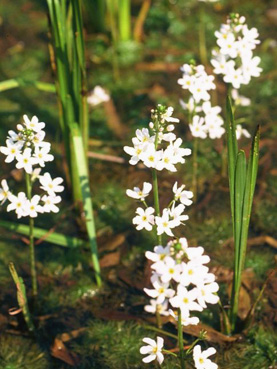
(21, 353)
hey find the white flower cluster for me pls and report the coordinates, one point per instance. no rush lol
(181, 280)
(234, 58)
(28, 148)
(171, 217)
(204, 119)
(147, 144)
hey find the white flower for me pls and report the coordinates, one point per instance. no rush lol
(51, 186)
(154, 307)
(185, 319)
(150, 156)
(144, 219)
(139, 194)
(33, 124)
(153, 350)
(160, 291)
(168, 269)
(143, 137)
(198, 127)
(19, 204)
(239, 99)
(12, 150)
(163, 223)
(193, 273)
(33, 207)
(241, 132)
(4, 191)
(159, 254)
(201, 360)
(42, 155)
(97, 96)
(166, 161)
(178, 151)
(167, 116)
(26, 161)
(182, 195)
(176, 212)
(50, 203)
(185, 300)
(206, 293)
(135, 153)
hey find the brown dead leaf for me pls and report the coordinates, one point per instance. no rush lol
(212, 334)
(113, 243)
(59, 351)
(65, 337)
(111, 259)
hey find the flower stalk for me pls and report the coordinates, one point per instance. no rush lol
(31, 239)
(180, 339)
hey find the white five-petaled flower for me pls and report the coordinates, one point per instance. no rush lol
(51, 186)
(164, 224)
(206, 293)
(4, 191)
(168, 269)
(153, 350)
(144, 218)
(11, 150)
(139, 194)
(182, 195)
(161, 290)
(33, 207)
(42, 155)
(18, 203)
(26, 161)
(185, 300)
(201, 360)
(50, 203)
(33, 124)
(198, 127)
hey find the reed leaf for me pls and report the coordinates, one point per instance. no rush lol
(40, 233)
(82, 172)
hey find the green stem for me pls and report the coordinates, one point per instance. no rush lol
(180, 339)
(31, 239)
(202, 37)
(195, 167)
(165, 333)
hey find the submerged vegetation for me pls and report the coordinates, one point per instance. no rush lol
(179, 270)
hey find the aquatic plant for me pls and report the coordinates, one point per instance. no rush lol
(27, 148)
(67, 53)
(179, 278)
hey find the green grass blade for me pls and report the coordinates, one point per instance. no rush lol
(82, 172)
(22, 297)
(251, 178)
(124, 20)
(239, 190)
(19, 82)
(39, 233)
(232, 147)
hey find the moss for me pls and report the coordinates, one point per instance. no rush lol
(112, 345)
(21, 353)
(259, 352)
(260, 260)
